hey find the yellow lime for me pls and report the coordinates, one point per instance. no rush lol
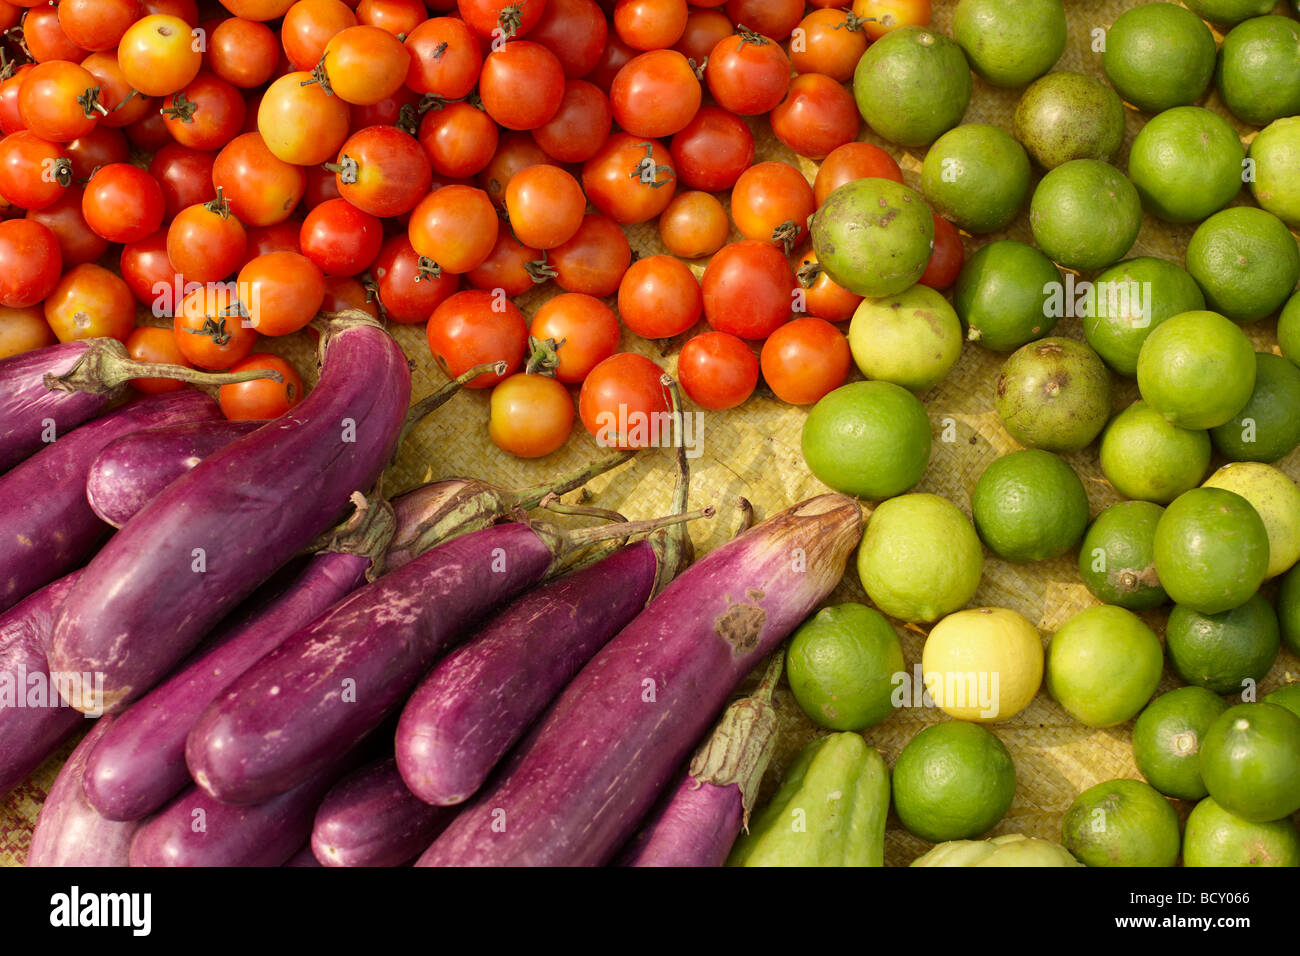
(984, 664)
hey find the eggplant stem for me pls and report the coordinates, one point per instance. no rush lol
(746, 515)
(437, 399)
(105, 367)
(587, 536)
(552, 503)
(531, 496)
(672, 546)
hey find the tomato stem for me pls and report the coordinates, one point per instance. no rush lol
(428, 269)
(787, 234)
(539, 270)
(853, 22)
(749, 36)
(319, 75)
(808, 272)
(89, 102)
(182, 108)
(346, 168)
(510, 19)
(543, 356)
(219, 205)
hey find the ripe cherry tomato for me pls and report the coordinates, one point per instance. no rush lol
(205, 243)
(303, 125)
(77, 241)
(398, 17)
(630, 179)
(90, 301)
(829, 41)
(185, 176)
(206, 114)
(659, 297)
(704, 29)
(748, 73)
(717, 370)
(402, 110)
(281, 291)
(947, 258)
(594, 260)
(34, 173)
(309, 25)
(624, 404)
(613, 58)
(454, 226)
(515, 151)
(823, 296)
(147, 343)
(98, 24)
(771, 202)
(584, 329)
(281, 237)
(23, 330)
(546, 206)
(817, 116)
(575, 31)
(530, 415)
(210, 327)
(853, 161)
(261, 399)
(521, 85)
(243, 52)
(459, 139)
(510, 265)
(149, 133)
(59, 101)
(882, 16)
(148, 271)
(340, 238)
(123, 203)
(650, 24)
(805, 359)
(694, 225)
(445, 58)
(365, 64)
(186, 10)
(100, 147)
(713, 150)
(343, 293)
(579, 127)
(772, 18)
(116, 94)
(388, 173)
(408, 289)
(44, 37)
(749, 289)
(257, 9)
(158, 56)
(10, 119)
(503, 19)
(262, 189)
(656, 94)
(475, 327)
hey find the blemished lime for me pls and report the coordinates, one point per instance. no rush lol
(1268, 428)
(1197, 369)
(1117, 557)
(1066, 115)
(920, 558)
(1053, 394)
(976, 175)
(1259, 70)
(953, 781)
(911, 339)
(1211, 550)
(1029, 506)
(1250, 761)
(1147, 458)
(1186, 164)
(1215, 837)
(912, 85)
(1127, 302)
(873, 236)
(1002, 295)
(1167, 740)
(1226, 652)
(841, 665)
(1121, 823)
(1275, 498)
(1103, 665)
(1159, 55)
(1085, 214)
(1246, 262)
(982, 664)
(1010, 42)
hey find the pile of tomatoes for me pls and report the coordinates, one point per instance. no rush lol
(240, 167)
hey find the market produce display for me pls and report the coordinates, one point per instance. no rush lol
(445, 432)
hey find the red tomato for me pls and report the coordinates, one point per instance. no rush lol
(77, 242)
(805, 359)
(501, 19)
(281, 237)
(343, 293)
(659, 297)
(158, 56)
(613, 58)
(44, 37)
(410, 287)
(148, 272)
(473, 328)
(772, 18)
(823, 296)
(206, 114)
(459, 139)
(656, 94)
(515, 151)
(34, 173)
(256, 9)
(59, 101)
(749, 289)
(445, 58)
(340, 238)
(510, 265)
(388, 173)
(594, 260)
(309, 25)
(584, 329)
(530, 415)
(10, 119)
(748, 74)
(771, 202)
(302, 124)
(624, 403)
(712, 150)
(521, 85)
(398, 17)
(853, 161)
(947, 258)
(546, 206)
(149, 133)
(575, 31)
(704, 29)
(828, 41)
(101, 146)
(185, 176)
(694, 225)
(210, 328)
(97, 24)
(186, 10)
(261, 399)
(123, 203)
(882, 16)
(262, 189)
(281, 291)
(243, 52)
(402, 110)
(650, 24)
(817, 116)
(630, 179)
(117, 95)
(365, 64)
(205, 243)
(455, 226)
(579, 127)
(717, 370)
(157, 346)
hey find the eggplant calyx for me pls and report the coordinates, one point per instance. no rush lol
(105, 367)
(338, 322)
(368, 532)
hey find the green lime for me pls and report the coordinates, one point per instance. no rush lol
(1215, 837)
(1250, 761)
(1147, 458)
(873, 236)
(1159, 55)
(1275, 498)
(912, 85)
(1228, 12)
(1167, 740)
(1211, 550)
(1276, 154)
(1259, 70)
(1103, 665)
(1288, 696)
(911, 339)
(1224, 652)
(1085, 214)
(977, 175)
(1288, 330)
(1268, 428)
(1246, 262)
(1288, 609)
(1064, 116)
(1197, 369)
(869, 439)
(920, 558)
(1117, 557)
(953, 781)
(1003, 295)
(1010, 42)
(1029, 506)
(1053, 394)
(1130, 299)
(1186, 164)
(1121, 823)
(841, 665)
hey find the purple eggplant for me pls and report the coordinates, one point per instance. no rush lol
(335, 680)
(133, 470)
(304, 857)
(217, 532)
(576, 787)
(45, 521)
(33, 717)
(371, 819)
(702, 817)
(48, 392)
(68, 831)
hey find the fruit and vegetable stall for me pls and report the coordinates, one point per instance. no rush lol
(641, 433)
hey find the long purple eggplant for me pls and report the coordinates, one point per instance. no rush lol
(335, 680)
(47, 392)
(140, 763)
(702, 817)
(369, 818)
(134, 469)
(34, 720)
(576, 787)
(216, 533)
(45, 521)
(68, 831)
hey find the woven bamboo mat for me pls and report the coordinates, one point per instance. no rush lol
(754, 451)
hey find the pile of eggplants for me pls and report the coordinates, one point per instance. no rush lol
(294, 669)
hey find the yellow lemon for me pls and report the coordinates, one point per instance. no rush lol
(984, 664)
